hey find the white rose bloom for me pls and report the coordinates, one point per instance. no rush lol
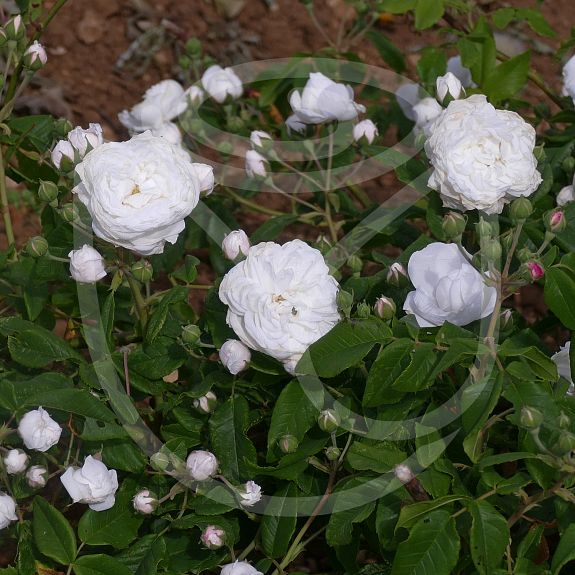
(463, 74)
(93, 483)
(38, 430)
(447, 288)
(426, 111)
(239, 568)
(569, 78)
(7, 510)
(85, 140)
(201, 465)
(162, 103)
(250, 494)
(407, 96)
(448, 84)
(257, 137)
(195, 95)
(145, 502)
(15, 462)
(234, 243)
(169, 131)
(324, 100)
(220, 83)
(235, 356)
(86, 265)
(139, 192)
(205, 175)
(482, 157)
(62, 150)
(566, 195)
(561, 360)
(365, 129)
(36, 476)
(293, 124)
(256, 164)
(280, 299)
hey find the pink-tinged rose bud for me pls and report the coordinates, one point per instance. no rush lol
(63, 155)
(236, 243)
(35, 56)
(37, 476)
(397, 275)
(384, 307)
(536, 270)
(201, 465)
(213, 537)
(256, 165)
(557, 222)
(206, 403)
(14, 28)
(145, 502)
(403, 473)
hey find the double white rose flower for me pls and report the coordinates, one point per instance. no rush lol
(482, 157)
(86, 265)
(220, 83)
(280, 299)
(569, 78)
(38, 430)
(93, 483)
(15, 462)
(7, 510)
(139, 192)
(323, 100)
(447, 288)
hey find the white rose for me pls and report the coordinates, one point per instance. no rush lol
(206, 403)
(7, 510)
(566, 195)
(448, 84)
(38, 430)
(15, 462)
(145, 502)
(205, 175)
(365, 129)
(257, 137)
(293, 124)
(235, 356)
(407, 96)
(169, 131)
(561, 359)
(162, 103)
(36, 476)
(86, 265)
(93, 483)
(139, 192)
(195, 95)
(201, 465)
(463, 74)
(239, 568)
(85, 140)
(63, 151)
(324, 100)
(255, 164)
(426, 111)
(447, 288)
(482, 157)
(250, 494)
(569, 78)
(220, 83)
(280, 299)
(234, 243)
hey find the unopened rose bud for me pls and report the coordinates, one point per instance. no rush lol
(568, 165)
(555, 221)
(15, 462)
(564, 421)
(520, 209)
(142, 270)
(453, 225)
(63, 127)
(160, 461)
(7, 510)
(288, 443)
(403, 473)
(236, 243)
(323, 244)
(234, 124)
(536, 270)
(35, 56)
(491, 249)
(69, 212)
(506, 319)
(206, 403)
(37, 476)
(483, 228)
(328, 420)
(566, 196)
(363, 310)
(145, 502)
(87, 265)
(213, 537)
(365, 129)
(250, 493)
(201, 465)
(3, 39)
(47, 191)
(448, 84)
(566, 442)
(235, 356)
(191, 334)
(384, 307)
(344, 301)
(194, 47)
(225, 148)
(14, 28)
(397, 275)
(37, 247)
(85, 140)
(530, 417)
(63, 156)
(524, 255)
(256, 165)
(333, 453)
(261, 139)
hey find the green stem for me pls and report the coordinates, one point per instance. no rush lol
(5, 205)
(138, 300)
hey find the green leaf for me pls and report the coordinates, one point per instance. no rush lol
(272, 228)
(565, 551)
(416, 375)
(504, 81)
(39, 347)
(489, 536)
(99, 565)
(279, 521)
(228, 427)
(428, 12)
(380, 457)
(411, 514)
(397, 6)
(390, 53)
(145, 555)
(52, 533)
(158, 319)
(432, 547)
(560, 295)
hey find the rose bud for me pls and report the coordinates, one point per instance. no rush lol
(213, 537)
(491, 249)
(206, 403)
(3, 38)
(483, 228)
(520, 209)
(536, 270)
(448, 84)
(7, 510)
(63, 156)
(365, 129)
(555, 221)
(363, 310)
(201, 465)
(86, 265)
(15, 462)
(355, 264)
(142, 270)
(565, 196)
(403, 473)
(564, 421)
(221, 83)
(239, 568)
(333, 453)
(384, 307)
(328, 420)
(397, 275)
(530, 417)
(38, 430)
(191, 334)
(255, 165)
(69, 212)
(506, 319)
(236, 243)
(194, 95)
(250, 494)
(260, 139)
(160, 461)
(453, 225)
(14, 28)
(35, 56)
(37, 476)
(566, 442)
(37, 247)
(85, 140)
(288, 443)
(47, 191)
(145, 502)
(235, 356)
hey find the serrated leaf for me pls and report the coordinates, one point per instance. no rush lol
(427, 13)
(506, 79)
(411, 514)
(53, 535)
(39, 347)
(144, 556)
(565, 551)
(380, 457)
(489, 536)
(99, 565)
(158, 319)
(560, 295)
(279, 521)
